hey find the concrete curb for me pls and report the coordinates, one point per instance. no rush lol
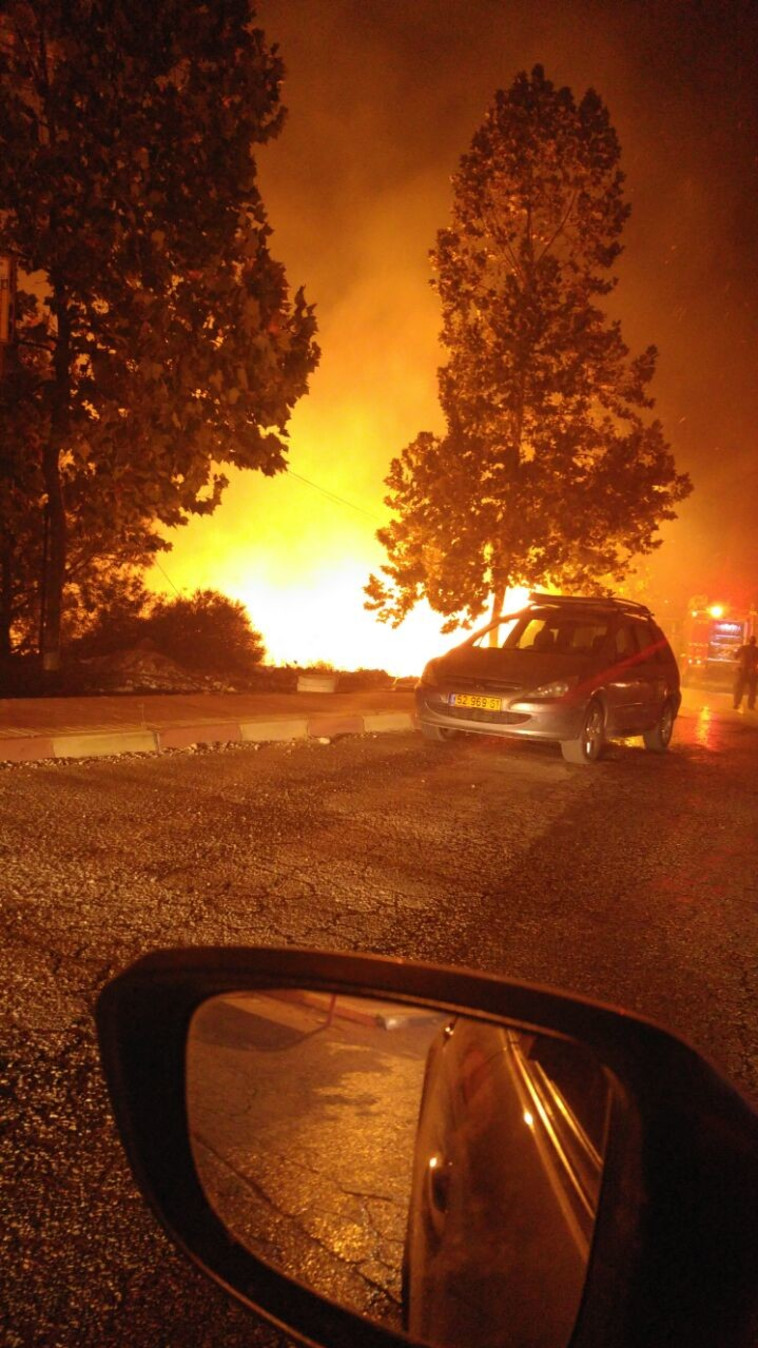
(263, 732)
(380, 1015)
(23, 749)
(103, 743)
(99, 744)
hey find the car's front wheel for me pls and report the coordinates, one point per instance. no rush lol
(658, 738)
(588, 747)
(437, 732)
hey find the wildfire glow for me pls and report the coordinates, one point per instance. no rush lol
(308, 611)
(324, 620)
(515, 598)
(297, 549)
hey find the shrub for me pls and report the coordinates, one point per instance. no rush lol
(207, 632)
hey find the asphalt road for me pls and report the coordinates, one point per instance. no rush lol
(303, 1122)
(634, 881)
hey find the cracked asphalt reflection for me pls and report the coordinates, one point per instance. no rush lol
(303, 1124)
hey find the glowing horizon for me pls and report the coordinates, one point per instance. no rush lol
(322, 620)
(359, 242)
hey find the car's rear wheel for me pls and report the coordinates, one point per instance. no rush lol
(588, 747)
(437, 732)
(658, 738)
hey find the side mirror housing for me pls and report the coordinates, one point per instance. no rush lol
(671, 1251)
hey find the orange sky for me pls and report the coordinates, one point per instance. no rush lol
(383, 99)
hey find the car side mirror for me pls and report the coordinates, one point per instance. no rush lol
(364, 1149)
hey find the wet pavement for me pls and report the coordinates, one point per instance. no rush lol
(633, 882)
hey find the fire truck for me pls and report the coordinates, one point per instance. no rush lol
(711, 637)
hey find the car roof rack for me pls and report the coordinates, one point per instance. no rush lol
(590, 601)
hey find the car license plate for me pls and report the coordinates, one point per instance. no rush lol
(476, 700)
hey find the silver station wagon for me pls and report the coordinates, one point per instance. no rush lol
(578, 671)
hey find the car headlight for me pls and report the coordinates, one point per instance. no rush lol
(429, 677)
(558, 688)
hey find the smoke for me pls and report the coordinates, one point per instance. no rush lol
(383, 99)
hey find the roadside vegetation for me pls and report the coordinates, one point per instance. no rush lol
(140, 642)
(156, 340)
(206, 633)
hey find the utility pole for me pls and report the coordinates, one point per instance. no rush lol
(7, 336)
(7, 305)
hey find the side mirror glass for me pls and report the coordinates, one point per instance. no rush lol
(435, 1173)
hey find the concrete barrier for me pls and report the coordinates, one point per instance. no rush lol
(182, 736)
(382, 721)
(107, 742)
(26, 748)
(104, 740)
(259, 732)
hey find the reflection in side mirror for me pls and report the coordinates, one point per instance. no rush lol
(439, 1174)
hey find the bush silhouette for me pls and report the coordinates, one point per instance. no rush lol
(207, 632)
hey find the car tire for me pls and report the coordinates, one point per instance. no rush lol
(437, 732)
(589, 746)
(658, 738)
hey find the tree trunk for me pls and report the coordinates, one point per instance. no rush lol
(6, 597)
(55, 568)
(501, 568)
(498, 600)
(500, 586)
(501, 577)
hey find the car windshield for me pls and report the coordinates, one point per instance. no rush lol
(545, 630)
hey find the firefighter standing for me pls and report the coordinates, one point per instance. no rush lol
(747, 674)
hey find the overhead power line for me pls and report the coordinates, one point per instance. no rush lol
(333, 496)
(165, 574)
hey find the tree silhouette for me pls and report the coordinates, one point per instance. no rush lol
(549, 469)
(169, 341)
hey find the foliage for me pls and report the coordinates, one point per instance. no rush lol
(162, 342)
(108, 613)
(207, 632)
(108, 543)
(549, 469)
(22, 493)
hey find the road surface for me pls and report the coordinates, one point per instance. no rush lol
(635, 882)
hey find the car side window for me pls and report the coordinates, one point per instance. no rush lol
(588, 638)
(496, 635)
(624, 640)
(536, 635)
(663, 652)
(649, 640)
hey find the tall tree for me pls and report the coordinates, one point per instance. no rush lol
(109, 542)
(128, 189)
(549, 469)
